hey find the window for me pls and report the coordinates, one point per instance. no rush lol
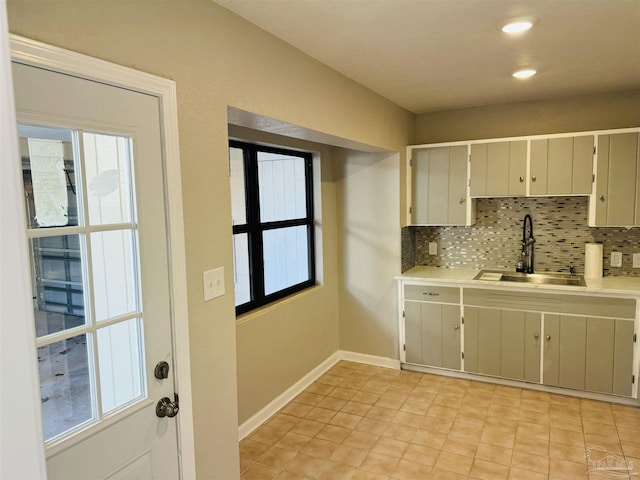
(272, 213)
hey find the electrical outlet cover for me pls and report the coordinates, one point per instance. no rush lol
(636, 260)
(433, 248)
(616, 259)
(213, 283)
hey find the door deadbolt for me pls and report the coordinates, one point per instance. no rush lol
(161, 371)
(166, 408)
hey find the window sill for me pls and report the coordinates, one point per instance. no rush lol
(246, 317)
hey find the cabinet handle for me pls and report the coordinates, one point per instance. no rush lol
(533, 179)
(521, 179)
(548, 337)
(536, 336)
(602, 199)
(431, 294)
(455, 327)
(462, 200)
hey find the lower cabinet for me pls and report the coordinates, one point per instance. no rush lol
(432, 334)
(588, 353)
(502, 343)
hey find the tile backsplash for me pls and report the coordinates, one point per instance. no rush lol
(559, 227)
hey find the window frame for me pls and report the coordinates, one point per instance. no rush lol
(254, 228)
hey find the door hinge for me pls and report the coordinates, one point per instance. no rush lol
(633, 379)
(595, 149)
(411, 162)
(463, 355)
(462, 320)
(593, 178)
(403, 316)
(635, 337)
(404, 347)
(469, 183)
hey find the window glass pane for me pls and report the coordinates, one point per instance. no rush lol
(115, 288)
(238, 198)
(107, 160)
(65, 385)
(282, 187)
(58, 291)
(120, 362)
(286, 258)
(49, 176)
(242, 280)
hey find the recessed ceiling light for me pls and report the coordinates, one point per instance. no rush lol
(524, 73)
(517, 26)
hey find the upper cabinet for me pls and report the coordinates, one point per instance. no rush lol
(561, 166)
(498, 169)
(439, 186)
(445, 179)
(616, 202)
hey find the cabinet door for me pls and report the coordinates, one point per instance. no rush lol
(623, 357)
(482, 340)
(420, 187)
(538, 167)
(498, 168)
(565, 351)
(582, 176)
(532, 339)
(439, 186)
(457, 213)
(518, 168)
(616, 180)
(478, 169)
(413, 332)
(432, 334)
(559, 165)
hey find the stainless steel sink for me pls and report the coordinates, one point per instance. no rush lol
(535, 278)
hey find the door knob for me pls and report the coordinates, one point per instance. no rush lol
(602, 198)
(166, 408)
(535, 335)
(548, 337)
(521, 179)
(533, 179)
(455, 327)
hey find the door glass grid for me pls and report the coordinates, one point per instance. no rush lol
(84, 274)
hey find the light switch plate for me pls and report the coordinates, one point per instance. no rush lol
(616, 259)
(636, 260)
(213, 283)
(433, 248)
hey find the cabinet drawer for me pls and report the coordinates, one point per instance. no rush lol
(555, 303)
(427, 293)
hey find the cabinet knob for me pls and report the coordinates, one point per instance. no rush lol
(521, 179)
(455, 327)
(548, 337)
(533, 179)
(536, 336)
(462, 200)
(602, 199)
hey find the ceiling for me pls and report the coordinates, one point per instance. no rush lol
(432, 55)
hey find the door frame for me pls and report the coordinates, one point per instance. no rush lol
(34, 53)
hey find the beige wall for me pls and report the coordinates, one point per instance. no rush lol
(369, 250)
(573, 114)
(217, 60)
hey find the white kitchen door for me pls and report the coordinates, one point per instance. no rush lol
(92, 163)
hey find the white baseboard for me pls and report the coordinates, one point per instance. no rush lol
(294, 390)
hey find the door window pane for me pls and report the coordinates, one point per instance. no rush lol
(120, 362)
(108, 169)
(58, 291)
(238, 197)
(65, 385)
(286, 258)
(282, 187)
(49, 176)
(114, 278)
(242, 274)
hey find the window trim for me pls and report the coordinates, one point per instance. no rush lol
(254, 228)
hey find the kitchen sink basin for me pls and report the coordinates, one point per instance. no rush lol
(533, 278)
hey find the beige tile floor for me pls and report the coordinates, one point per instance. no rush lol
(363, 422)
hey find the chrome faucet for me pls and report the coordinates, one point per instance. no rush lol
(526, 263)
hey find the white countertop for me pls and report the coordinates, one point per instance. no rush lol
(628, 286)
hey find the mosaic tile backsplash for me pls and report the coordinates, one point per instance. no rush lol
(559, 227)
